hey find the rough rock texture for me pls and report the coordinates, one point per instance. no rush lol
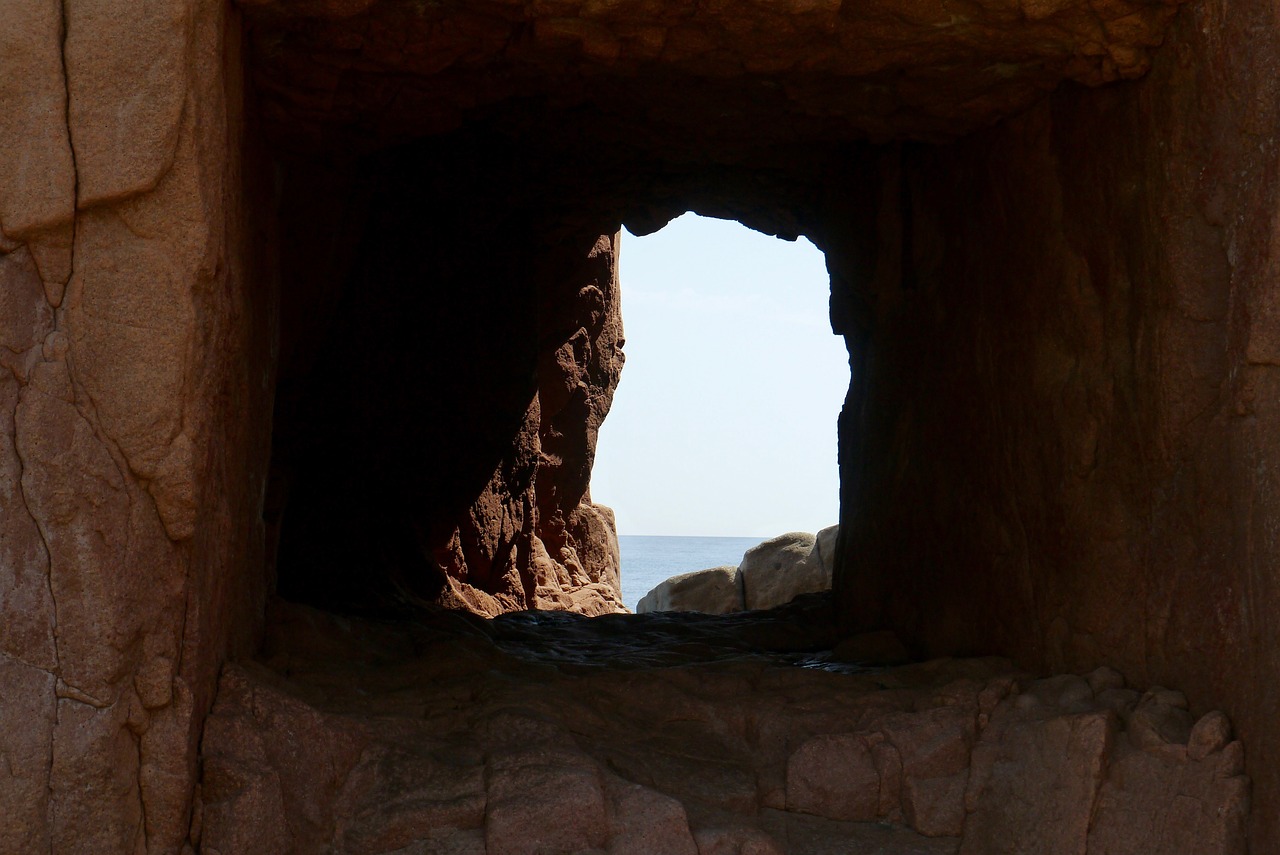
(1067, 416)
(771, 574)
(778, 570)
(446, 458)
(1059, 445)
(458, 736)
(768, 72)
(131, 347)
(714, 591)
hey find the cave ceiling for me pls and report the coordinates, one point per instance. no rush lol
(688, 79)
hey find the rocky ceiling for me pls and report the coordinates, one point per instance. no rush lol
(712, 75)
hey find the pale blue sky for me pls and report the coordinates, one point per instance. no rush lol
(724, 423)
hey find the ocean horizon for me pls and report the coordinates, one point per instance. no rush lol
(648, 559)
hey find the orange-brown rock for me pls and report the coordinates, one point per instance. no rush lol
(680, 737)
(128, 469)
(446, 458)
(319, 297)
(376, 72)
(1073, 327)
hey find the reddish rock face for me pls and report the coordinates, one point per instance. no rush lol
(373, 71)
(1063, 448)
(133, 347)
(1059, 444)
(435, 427)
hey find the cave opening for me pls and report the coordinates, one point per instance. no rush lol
(722, 431)
(450, 341)
(450, 183)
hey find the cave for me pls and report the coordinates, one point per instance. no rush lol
(448, 392)
(309, 313)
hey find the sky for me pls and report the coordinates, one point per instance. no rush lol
(724, 422)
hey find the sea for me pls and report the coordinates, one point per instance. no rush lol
(649, 559)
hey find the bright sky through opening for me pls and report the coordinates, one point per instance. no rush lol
(724, 423)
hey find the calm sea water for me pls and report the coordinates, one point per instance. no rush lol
(649, 559)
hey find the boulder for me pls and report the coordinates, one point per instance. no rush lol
(777, 571)
(714, 591)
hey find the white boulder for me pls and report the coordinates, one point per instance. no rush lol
(780, 569)
(715, 591)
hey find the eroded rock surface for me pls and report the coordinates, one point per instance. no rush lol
(447, 457)
(690, 734)
(1063, 419)
(769, 72)
(780, 569)
(128, 334)
(714, 591)
(771, 574)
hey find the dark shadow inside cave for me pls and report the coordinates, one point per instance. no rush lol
(427, 352)
(450, 342)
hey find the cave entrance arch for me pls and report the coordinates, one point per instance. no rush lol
(486, 157)
(451, 340)
(723, 427)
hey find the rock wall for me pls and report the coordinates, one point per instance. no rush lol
(1065, 445)
(437, 417)
(1058, 443)
(130, 478)
(691, 734)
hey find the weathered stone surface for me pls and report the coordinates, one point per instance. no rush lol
(715, 591)
(454, 735)
(1052, 772)
(834, 776)
(1082, 441)
(128, 80)
(832, 70)
(645, 822)
(38, 178)
(814, 835)
(274, 770)
(1034, 784)
(94, 780)
(541, 801)
(1156, 722)
(27, 717)
(26, 605)
(1158, 802)
(735, 839)
(1068, 433)
(824, 547)
(119, 377)
(778, 570)
(933, 750)
(1211, 734)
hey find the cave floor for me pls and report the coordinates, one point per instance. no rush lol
(754, 733)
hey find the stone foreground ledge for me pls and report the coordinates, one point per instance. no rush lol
(478, 747)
